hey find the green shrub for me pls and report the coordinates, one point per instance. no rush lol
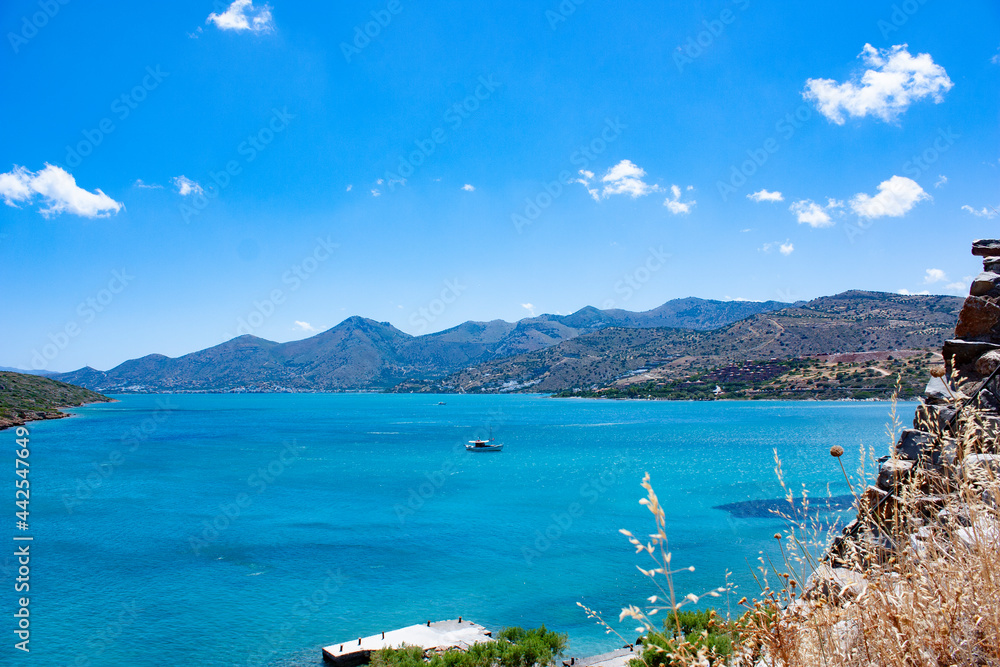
(699, 629)
(513, 647)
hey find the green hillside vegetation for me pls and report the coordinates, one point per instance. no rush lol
(852, 323)
(26, 398)
(782, 379)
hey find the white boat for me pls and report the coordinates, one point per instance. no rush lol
(484, 445)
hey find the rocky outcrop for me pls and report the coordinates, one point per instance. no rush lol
(927, 465)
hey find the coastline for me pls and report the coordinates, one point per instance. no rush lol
(39, 415)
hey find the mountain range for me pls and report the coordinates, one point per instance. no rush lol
(850, 322)
(361, 354)
(588, 348)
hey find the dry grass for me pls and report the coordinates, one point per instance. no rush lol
(925, 588)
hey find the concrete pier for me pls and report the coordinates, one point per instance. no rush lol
(619, 658)
(442, 635)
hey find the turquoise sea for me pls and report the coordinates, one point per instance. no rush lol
(254, 529)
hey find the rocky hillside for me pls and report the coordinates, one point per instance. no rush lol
(846, 323)
(363, 354)
(26, 398)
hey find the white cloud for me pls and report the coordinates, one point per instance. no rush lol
(958, 287)
(980, 213)
(744, 231)
(625, 178)
(59, 190)
(349, 187)
(934, 276)
(15, 186)
(942, 179)
(906, 292)
(764, 195)
(376, 193)
(894, 80)
(895, 198)
(809, 212)
(584, 180)
(185, 186)
(674, 203)
(529, 307)
(242, 15)
(469, 188)
(786, 248)
(304, 326)
(139, 183)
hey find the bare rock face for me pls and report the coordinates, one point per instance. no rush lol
(984, 283)
(986, 248)
(977, 319)
(915, 445)
(988, 362)
(893, 473)
(934, 416)
(961, 352)
(937, 392)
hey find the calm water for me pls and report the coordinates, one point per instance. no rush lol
(252, 530)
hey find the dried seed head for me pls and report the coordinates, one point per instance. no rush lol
(777, 536)
(837, 451)
(937, 371)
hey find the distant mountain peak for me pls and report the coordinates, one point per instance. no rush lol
(362, 353)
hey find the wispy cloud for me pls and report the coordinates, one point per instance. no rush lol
(185, 186)
(980, 213)
(349, 188)
(529, 307)
(139, 183)
(469, 188)
(932, 276)
(58, 191)
(894, 80)
(674, 203)
(764, 195)
(242, 16)
(895, 198)
(786, 248)
(304, 326)
(942, 179)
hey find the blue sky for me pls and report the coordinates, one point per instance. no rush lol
(174, 175)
